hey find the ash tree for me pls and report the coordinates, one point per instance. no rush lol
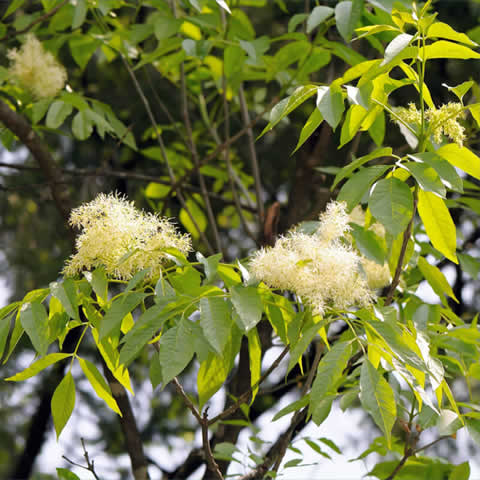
(192, 237)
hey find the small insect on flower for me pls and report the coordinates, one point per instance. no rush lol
(122, 238)
(36, 70)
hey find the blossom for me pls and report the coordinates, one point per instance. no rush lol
(121, 238)
(442, 121)
(323, 269)
(36, 69)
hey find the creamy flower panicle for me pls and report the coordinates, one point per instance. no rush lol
(37, 70)
(443, 120)
(121, 238)
(323, 269)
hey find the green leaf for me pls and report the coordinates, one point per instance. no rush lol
(39, 109)
(473, 427)
(234, 60)
(14, 5)
(443, 30)
(426, 177)
(215, 369)
(57, 113)
(166, 27)
(369, 244)
(444, 49)
(460, 472)
(64, 474)
(308, 333)
(469, 264)
(295, 21)
(147, 325)
(358, 184)
(347, 16)
(391, 203)
(4, 331)
(287, 105)
(438, 224)
(447, 172)
(436, 279)
(136, 279)
(248, 306)
(210, 264)
(80, 14)
(63, 401)
(461, 157)
(255, 357)
(82, 47)
(216, 321)
(329, 373)
(197, 213)
(330, 103)
(82, 126)
(99, 384)
(66, 292)
(292, 407)
(98, 281)
(352, 123)
(460, 90)
(396, 47)
(120, 307)
(38, 366)
(34, 320)
(378, 399)
(317, 16)
(176, 350)
(314, 120)
(347, 170)
(448, 422)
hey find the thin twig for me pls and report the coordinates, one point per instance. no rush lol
(193, 150)
(90, 463)
(227, 143)
(40, 19)
(204, 424)
(163, 151)
(406, 237)
(211, 463)
(85, 172)
(244, 396)
(253, 157)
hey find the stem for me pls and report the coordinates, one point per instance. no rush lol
(406, 237)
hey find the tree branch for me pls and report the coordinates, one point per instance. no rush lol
(406, 237)
(18, 125)
(244, 396)
(40, 19)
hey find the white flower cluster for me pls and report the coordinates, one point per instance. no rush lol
(443, 120)
(121, 238)
(323, 269)
(36, 69)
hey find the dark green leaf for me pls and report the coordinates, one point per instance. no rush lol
(331, 106)
(63, 401)
(378, 399)
(57, 113)
(319, 14)
(120, 307)
(391, 203)
(248, 306)
(34, 320)
(329, 374)
(359, 183)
